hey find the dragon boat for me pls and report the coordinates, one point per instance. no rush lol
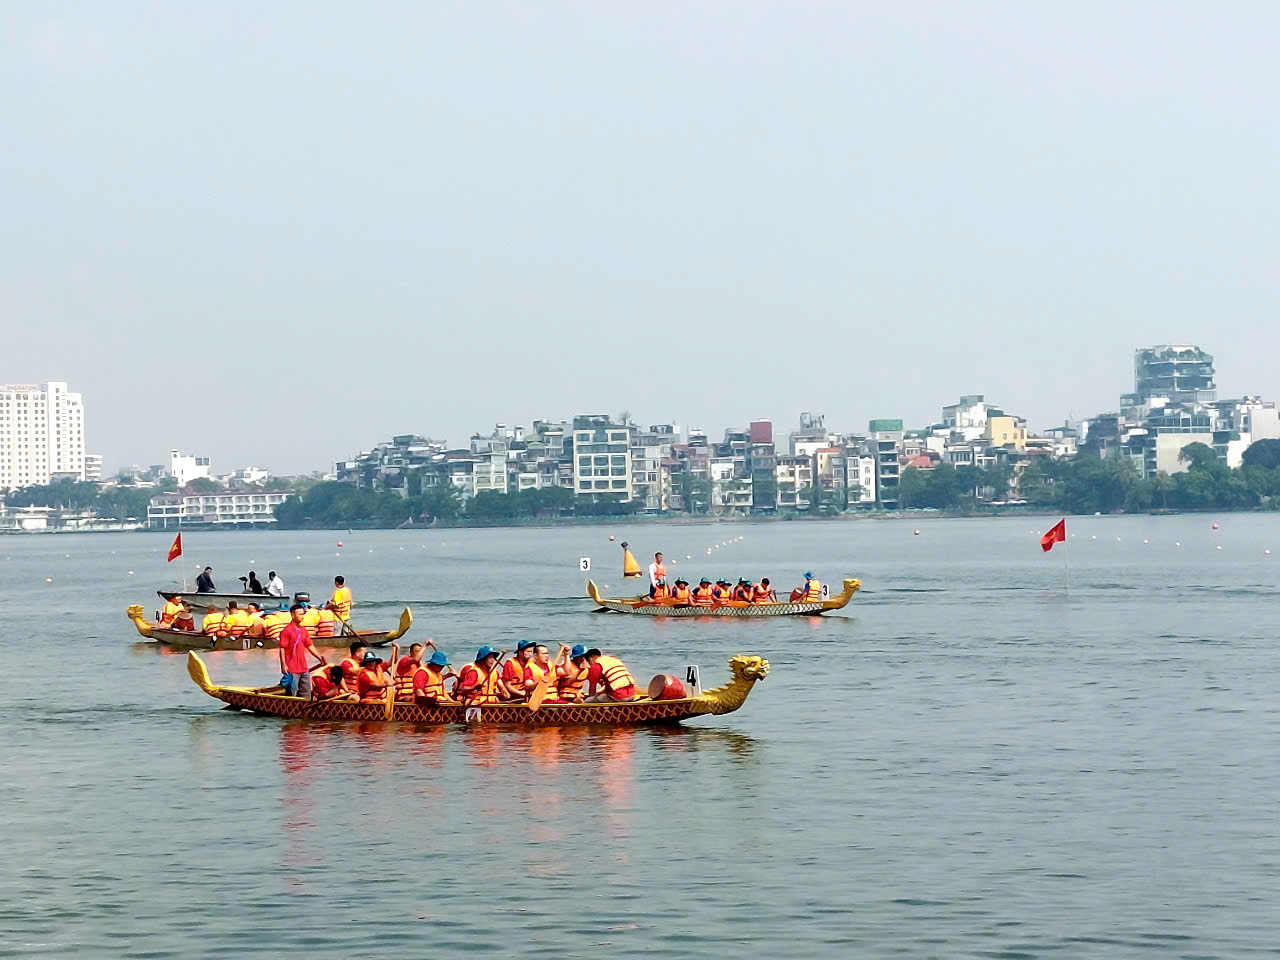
(188, 640)
(201, 601)
(725, 699)
(737, 608)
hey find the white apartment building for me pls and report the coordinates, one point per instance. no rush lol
(214, 510)
(185, 467)
(93, 467)
(41, 433)
(601, 458)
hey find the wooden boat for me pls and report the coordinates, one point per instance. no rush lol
(201, 601)
(186, 640)
(786, 608)
(746, 671)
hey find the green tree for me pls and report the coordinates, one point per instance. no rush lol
(1200, 456)
(204, 485)
(1262, 453)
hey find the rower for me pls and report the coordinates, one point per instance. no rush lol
(681, 594)
(406, 670)
(311, 621)
(236, 621)
(511, 687)
(478, 681)
(764, 593)
(703, 594)
(341, 599)
(174, 610)
(212, 625)
(428, 682)
(274, 623)
(538, 670)
(612, 676)
(372, 681)
(351, 666)
(720, 593)
(204, 582)
(326, 683)
(743, 591)
(657, 576)
(253, 614)
(571, 676)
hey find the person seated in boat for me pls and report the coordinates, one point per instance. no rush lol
(351, 666)
(764, 593)
(175, 611)
(743, 592)
(406, 667)
(372, 680)
(611, 676)
(326, 621)
(212, 625)
(657, 576)
(680, 596)
(478, 681)
(341, 599)
(326, 683)
(275, 586)
(251, 583)
(253, 613)
(571, 675)
(428, 682)
(204, 582)
(721, 593)
(511, 686)
(808, 592)
(273, 624)
(703, 594)
(236, 620)
(539, 670)
(311, 621)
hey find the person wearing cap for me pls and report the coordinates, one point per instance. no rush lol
(175, 610)
(511, 687)
(703, 595)
(478, 682)
(611, 676)
(351, 667)
(742, 592)
(809, 592)
(538, 670)
(720, 593)
(764, 593)
(372, 681)
(407, 668)
(571, 674)
(295, 644)
(428, 682)
(680, 595)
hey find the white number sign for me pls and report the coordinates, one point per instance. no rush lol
(473, 715)
(825, 591)
(693, 680)
(584, 564)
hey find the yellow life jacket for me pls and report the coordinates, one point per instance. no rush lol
(615, 673)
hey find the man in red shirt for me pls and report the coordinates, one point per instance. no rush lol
(295, 644)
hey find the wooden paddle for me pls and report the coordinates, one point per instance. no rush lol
(538, 695)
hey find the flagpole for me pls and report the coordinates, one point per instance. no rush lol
(1066, 560)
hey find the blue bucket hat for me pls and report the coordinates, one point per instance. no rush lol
(484, 652)
(438, 659)
(808, 575)
(525, 643)
(578, 651)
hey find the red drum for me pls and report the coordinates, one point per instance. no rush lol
(666, 687)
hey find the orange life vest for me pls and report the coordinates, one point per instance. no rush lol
(680, 595)
(487, 690)
(434, 690)
(404, 680)
(742, 592)
(661, 592)
(341, 600)
(660, 572)
(761, 595)
(212, 625)
(350, 671)
(371, 694)
(812, 591)
(719, 594)
(571, 685)
(615, 673)
(704, 598)
(172, 611)
(327, 623)
(539, 673)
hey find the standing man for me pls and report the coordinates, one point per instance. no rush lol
(657, 574)
(204, 582)
(295, 644)
(341, 599)
(275, 586)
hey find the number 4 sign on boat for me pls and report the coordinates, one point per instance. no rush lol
(693, 680)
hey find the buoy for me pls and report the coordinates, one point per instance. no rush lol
(1146, 541)
(1219, 546)
(1215, 526)
(1267, 551)
(1094, 537)
(298, 557)
(630, 568)
(1177, 543)
(688, 556)
(915, 533)
(48, 579)
(611, 538)
(131, 573)
(339, 543)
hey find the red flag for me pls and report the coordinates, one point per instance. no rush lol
(1057, 534)
(176, 550)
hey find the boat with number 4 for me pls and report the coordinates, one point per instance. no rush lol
(746, 671)
(190, 640)
(737, 608)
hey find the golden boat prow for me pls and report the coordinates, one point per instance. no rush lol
(746, 670)
(187, 640)
(784, 608)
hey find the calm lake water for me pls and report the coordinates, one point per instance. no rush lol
(984, 755)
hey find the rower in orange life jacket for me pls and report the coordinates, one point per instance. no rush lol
(764, 593)
(372, 681)
(703, 594)
(539, 670)
(478, 681)
(612, 675)
(406, 669)
(212, 625)
(657, 576)
(514, 669)
(428, 682)
(571, 676)
(681, 593)
(720, 593)
(351, 667)
(743, 591)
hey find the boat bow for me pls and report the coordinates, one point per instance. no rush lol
(144, 626)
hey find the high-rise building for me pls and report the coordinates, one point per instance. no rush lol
(1169, 373)
(41, 434)
(601, 458)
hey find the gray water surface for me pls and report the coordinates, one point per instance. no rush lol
(987, 754)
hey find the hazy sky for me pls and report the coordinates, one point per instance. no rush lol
(278, 233)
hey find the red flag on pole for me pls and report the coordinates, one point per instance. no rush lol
(1057, 534)
(176, 550)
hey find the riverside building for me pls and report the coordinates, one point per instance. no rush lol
(41, 434)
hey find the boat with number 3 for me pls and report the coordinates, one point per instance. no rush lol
(737, 608)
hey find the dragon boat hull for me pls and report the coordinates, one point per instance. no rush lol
(747, 670)
(646, 607)
(201, 601)
(187, 640)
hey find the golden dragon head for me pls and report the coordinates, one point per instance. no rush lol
(135, 611)
(749, 668)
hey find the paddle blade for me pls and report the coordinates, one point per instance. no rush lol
(539, 694)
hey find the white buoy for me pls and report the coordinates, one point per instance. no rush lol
(298, 557)
(915, 533)
(1094, 537)
(131, 573)
(48, 579)
(1146, 541)
(688, 556)
(371, 549)
(1219, 546)
(1267, 551)
(1177, 543)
